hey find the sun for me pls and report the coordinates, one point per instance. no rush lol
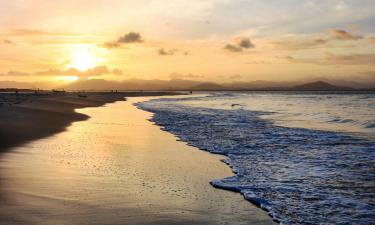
(66, 79)
(82, 58)
(70, 78)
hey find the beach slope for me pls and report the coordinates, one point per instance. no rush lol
(28, 116)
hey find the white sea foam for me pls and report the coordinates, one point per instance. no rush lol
(299, 173)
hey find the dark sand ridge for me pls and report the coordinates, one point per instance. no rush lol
(25, 116)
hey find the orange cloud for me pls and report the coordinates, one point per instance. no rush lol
(26, 32)
(94, 72)
(14, 73)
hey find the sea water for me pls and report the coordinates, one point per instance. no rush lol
(305, 157)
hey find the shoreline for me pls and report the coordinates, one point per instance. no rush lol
(118, 168)
(25, 117)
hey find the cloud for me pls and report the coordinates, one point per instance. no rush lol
(131, 37)
(299, 42)
(246, 43)
(7, 41)
(232, 48)
(320, 41)
(369, 75)
(354, 59)
(27, 32)
(94, 72)
(162, 51)
(371, 40)
(343, 35)
(14, 73)
(243, 43)
(112, 45)
(334, 59)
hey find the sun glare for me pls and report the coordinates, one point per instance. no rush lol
(68, 78)
(82, 58)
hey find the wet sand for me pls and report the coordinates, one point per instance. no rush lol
(117, 168)
(28, 116)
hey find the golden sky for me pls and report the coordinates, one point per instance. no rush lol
(208, 40)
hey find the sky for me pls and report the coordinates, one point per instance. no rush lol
(205, 40)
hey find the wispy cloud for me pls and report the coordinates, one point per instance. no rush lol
(172, 51)
(94, 72)
(353, 59)
(14, 73)
(7, 41)
(298, 43)
(335, 59)
(343, 35)
(330, 38)
(162, 51)
(371, 40)
(26, 32)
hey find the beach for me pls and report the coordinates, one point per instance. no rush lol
(302, 166)
(109, 165)
(28, 116)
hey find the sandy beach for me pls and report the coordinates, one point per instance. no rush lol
(113, 166)
(29, 116)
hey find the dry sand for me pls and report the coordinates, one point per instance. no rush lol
(117, 168)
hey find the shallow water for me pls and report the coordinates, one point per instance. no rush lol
(306, 158)
(116, 168)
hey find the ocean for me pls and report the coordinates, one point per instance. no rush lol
(305, 157)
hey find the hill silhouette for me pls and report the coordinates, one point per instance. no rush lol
(188, 85)
(320, 86)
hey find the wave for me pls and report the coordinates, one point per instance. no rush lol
(300, 176)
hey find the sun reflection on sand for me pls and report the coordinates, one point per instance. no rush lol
(115, 168)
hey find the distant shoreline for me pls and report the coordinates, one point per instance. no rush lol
(190, 85)
(26, 117)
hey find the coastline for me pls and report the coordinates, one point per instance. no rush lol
(134, 174)
(257, 147)
(26, 117)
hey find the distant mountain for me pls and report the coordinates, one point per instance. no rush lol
(92, 84)
(30, 85)
(358, 84)
(132, 84)
(319, 86)
(257, 85)
(187, 85)
(207, 87)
